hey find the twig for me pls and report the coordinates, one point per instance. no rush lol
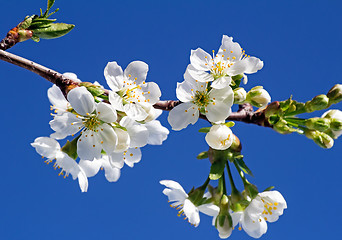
(244, 114)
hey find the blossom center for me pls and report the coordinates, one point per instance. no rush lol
(91, 123)
(269, 208)
(202, 99)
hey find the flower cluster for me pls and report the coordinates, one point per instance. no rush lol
(107, 134)
(248, 214)
(209, 88)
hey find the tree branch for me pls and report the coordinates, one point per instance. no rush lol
(245, 113)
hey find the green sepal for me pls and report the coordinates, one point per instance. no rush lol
(284, 105)
(236, 81)
(230, 124)
(251, 190)
(35, 38)
(239, 161)
(26, 23)
(55, 30)
(269, 188)
(203, 155)
(204, 130)
(218, 162)
(70, 148)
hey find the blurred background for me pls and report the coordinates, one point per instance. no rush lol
(300, 44)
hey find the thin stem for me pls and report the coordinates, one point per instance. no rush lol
(204, 186)
(231, 180)
(244, 180)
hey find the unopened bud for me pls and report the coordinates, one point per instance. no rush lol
(317, 103)
(335, 94)
(319, 124)
(282, 127)
(336, 121)
(321, 139)
(220, 137)
(24, 35)
(239, 95)
(258, 97)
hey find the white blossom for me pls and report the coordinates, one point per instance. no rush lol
(337, 114)
(50, 148)
(93, 119)
(196, 98)
(130, 93)
(229, 61)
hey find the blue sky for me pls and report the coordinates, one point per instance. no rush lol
(300, 44)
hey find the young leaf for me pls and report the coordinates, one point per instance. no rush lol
(55, 30)
(216, 170)
(204, 130)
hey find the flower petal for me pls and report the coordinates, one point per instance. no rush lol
(106, 112)
(191, 212)
(151, 91)
(81, 100)
(199, 75)
(57, 98)
(112, 174)
(157, 133)
(135, 111)
(132, 156)
(218, 111)
(65, 125)
(229, 48)
(222, 82)
(88, 146)
(114, 76)
(182, 115)
(199, 59)
(90, 168)
(246, 65)
(137, 71)
(185, 91)
(116, 101)
(46, 147)
(107, 138)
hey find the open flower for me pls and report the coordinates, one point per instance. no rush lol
(179, 197)
(93, 119)
(50, 148)
(229, 61)
(266, 206)
(130, 93)
(196, 98)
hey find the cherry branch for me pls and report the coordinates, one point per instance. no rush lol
(245, 113)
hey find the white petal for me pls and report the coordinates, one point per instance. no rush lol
(209, 209)
(138, 70)
(132, 156)
(90, 168)
(174, 191)
(82, 181)
(138, 135)
(107, 138)
(182, 115)
(116, 101)
(254, 227)
(57, 98)
(106, 112)
(191, 212)
(46, 147)
(123, 140)
(221, 82)
(157, 133)
(116, 159)
(71, 76)
(247, 65)
(185, 91)
(66, 124)
(112, 174)
(151, 91)
(199, 75)
(222, 94)
(232, 49)
(199, 58)
(114, 76)
(135, 111)
(219, 112)
(88, 146)
(81, 100)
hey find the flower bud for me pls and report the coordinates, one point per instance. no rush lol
(321, 139)
(223, 221)
(319, 124)
(282, 127)
(239, 95)
(123, 140)
(317, 103)
(258, 97)
(220, 137)
(335, 94)
(24, 35)
(336, 121)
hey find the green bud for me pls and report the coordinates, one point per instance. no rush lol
(258, 97)
(336, 124)
(319, 124)
(236, 145)
(282, 127)
(239, 95)
(321, 139)
(54, 30)
(272, 109)
(335, 94)
(317, 103)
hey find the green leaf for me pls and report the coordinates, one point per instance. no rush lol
(239, 161)
(50, 4)
(26, 23)
(230, 124)
(204, 130)
(218, 160)
(55, 30)
(203, 155)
